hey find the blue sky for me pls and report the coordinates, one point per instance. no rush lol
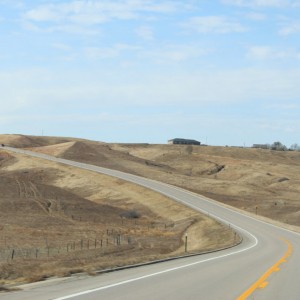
(224, 72)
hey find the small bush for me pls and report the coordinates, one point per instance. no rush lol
(131, 214)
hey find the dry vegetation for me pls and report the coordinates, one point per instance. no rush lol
(255, 180)
(56, 219)
(45, 205)
(243, 178)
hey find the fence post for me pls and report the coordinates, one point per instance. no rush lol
(186, 242)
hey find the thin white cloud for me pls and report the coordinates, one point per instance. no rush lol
(22, 91)
(13, 3)
(166, 54)
(145, 32)
(213, 24)
(291, 27)
(284, 106)
(101, 53)
(259, 52)
(61, 46)
(109, 52)
(260, 3)
(97, 12)
(281, 125)
(256, 16)
(84, 17)
(267, 52)
(75, 29)
(174, 53)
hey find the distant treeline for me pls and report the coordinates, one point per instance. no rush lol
(278, 146)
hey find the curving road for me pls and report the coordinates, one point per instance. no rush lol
(266, 265)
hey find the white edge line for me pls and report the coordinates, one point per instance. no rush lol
(157, 273)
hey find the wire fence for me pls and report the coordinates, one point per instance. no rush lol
(109, 241)
(108, 244)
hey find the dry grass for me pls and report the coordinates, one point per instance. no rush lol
(255, 180)
(243, 178)
(46, 205)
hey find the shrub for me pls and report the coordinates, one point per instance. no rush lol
(131, 214)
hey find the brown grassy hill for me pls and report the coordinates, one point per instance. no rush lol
(262, 181)
(23, 141)
(56, 219)
(245, 178)
(50, 205)
(256, 180)
(100, 154)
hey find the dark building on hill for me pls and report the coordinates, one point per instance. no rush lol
(178, 141)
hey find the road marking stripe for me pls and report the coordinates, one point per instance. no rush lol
(263, 285)
(261, 282)
(153, 274)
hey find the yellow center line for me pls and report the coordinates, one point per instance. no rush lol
(261, 282)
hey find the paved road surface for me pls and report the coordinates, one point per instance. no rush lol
(266, 265)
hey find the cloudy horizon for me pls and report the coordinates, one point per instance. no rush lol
(223, 72)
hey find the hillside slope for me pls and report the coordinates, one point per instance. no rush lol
(259, 181)
(56, 219)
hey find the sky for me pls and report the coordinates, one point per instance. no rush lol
(224, 72)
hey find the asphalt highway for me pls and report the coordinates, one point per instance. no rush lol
(266, 265)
